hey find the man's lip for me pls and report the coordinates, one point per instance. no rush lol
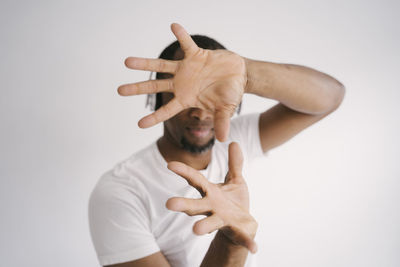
(199, 131)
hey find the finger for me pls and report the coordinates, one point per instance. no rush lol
(222, 121)
(235, 162)
(194, 177)
(252, 246)
(147, 87)
(162, 114)
(249, 243)
(188, 46)
(238, 236)
(189, 206)
(158, 65)
(208, 225)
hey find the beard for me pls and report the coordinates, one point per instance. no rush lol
(195, 149)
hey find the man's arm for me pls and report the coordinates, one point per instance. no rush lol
(305, 95)
(227, 208)
(215, 80)
(156, 259)
(222, 252)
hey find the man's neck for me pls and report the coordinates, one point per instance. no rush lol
(172, 152)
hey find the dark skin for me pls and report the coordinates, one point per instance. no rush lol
(207, 86)
(184, 124)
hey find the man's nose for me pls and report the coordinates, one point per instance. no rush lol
(200, 114)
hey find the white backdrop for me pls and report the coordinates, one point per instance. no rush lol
(329, 197)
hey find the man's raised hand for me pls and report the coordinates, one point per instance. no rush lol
(226, 205)
(213, 80)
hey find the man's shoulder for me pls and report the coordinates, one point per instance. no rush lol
(143, 155)
(127, 174)
(136, 161)
(242, 119)
(245, 130)
(243, 125)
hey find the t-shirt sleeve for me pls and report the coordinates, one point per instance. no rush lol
(119, 225)
(245, 130)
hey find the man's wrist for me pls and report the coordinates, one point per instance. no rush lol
(228, 243)
(247, 63)
(252, 78)
(223, 252)
(249, 227)
(260, 76)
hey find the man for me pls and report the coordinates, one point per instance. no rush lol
(201, 88)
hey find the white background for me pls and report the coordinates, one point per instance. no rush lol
(329, 197)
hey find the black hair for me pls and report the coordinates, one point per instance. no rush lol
(169, 53)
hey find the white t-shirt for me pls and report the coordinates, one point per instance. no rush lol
(127, 214)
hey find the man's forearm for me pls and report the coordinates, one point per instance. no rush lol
(300, 88)
(223, 253)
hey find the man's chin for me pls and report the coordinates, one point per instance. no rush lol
(197, 148)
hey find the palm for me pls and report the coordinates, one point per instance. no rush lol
(212, 80)
(226, 205)
(208, 76)
(237, 193)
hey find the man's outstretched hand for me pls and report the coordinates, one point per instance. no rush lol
(226, 205)
(213, 80)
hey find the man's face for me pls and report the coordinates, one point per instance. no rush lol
(192, 129)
